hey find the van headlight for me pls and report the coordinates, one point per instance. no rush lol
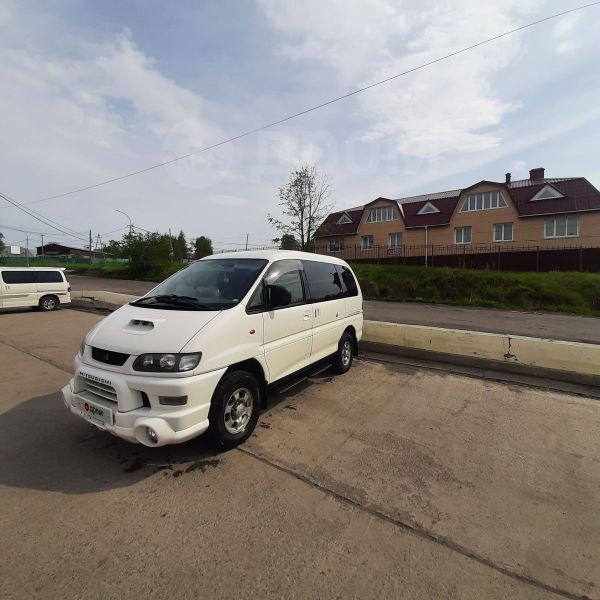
(167, 363)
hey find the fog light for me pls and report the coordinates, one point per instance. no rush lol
(152, 435)
(172, 400)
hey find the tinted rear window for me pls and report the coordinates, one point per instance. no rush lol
(49, 277)
(18, 276)
(324, 281)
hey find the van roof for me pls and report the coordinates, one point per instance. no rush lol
(3, 268)
(272, 255)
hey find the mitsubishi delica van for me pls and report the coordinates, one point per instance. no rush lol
(43, 287)
(200, 351)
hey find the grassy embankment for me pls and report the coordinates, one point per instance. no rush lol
(569, 292)
(555, 291)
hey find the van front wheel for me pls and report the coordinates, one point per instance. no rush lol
(234, 409)
(343, 357)
(48, 303)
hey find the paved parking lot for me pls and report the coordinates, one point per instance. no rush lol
(385, 482)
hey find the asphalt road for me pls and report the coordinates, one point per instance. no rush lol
(554, 326)
(385, 482)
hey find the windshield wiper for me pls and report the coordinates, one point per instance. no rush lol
(174, 299)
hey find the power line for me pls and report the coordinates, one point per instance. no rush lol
(44, 220)
(13, 228)
(32, 213)
(317, 107)
(113, 231)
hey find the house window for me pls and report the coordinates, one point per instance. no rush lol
(335, 245)
(462, 235)
(503, 232)
(383, 213)
(366, 242)
(561, 226)
(344, 220)
(394, 240)
(483, 201)
(428, 209)
(547, 193)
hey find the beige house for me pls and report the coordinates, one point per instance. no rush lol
(532, 213)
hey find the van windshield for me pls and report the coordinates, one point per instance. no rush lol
(214, 284)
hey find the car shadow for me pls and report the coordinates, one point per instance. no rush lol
(43, 447)
(21, 309)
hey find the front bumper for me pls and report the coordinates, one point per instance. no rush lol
(171, 424)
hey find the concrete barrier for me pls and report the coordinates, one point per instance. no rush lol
(557, 355)
(105, 297)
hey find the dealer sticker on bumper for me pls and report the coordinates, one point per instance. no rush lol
(95, 412)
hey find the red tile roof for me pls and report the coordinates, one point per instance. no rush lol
(579, 195)
(330, 224)
(446, 207)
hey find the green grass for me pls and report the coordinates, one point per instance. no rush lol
(568, 292)
(115, 271)
(152, 273)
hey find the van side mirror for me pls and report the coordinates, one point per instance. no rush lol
(278, 296)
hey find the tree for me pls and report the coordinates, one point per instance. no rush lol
(305, 204)
(2, 244)
(180, 248)
(114, 249)
(202, 247)
(287, 242)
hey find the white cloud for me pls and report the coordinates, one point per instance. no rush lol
(346, 35)
(446, 108)
(566, 24)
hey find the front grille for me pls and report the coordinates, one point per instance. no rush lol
(99, 390)
(109, 357)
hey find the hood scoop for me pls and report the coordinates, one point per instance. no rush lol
(141, 326)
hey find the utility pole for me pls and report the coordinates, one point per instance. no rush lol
(42, 245)
(91, 251)
(171, 245)
(247, 240)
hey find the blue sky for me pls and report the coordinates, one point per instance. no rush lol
(93, 90)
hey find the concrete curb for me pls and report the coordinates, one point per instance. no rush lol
(561, 358)
(106, 297)
(555, 355)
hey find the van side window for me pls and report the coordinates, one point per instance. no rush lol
(324, 281)
(49, 277)
(349, 281)
(286, 273)
(18, 276)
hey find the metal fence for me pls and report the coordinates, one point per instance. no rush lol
(500, 257)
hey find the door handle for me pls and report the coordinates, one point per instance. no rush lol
(307, 315)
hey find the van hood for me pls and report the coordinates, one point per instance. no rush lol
(138, 330)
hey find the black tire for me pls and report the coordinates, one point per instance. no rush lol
(228, 407)
(48, 303)
(345, 353)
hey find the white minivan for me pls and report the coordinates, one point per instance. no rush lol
(200, 351)
(43, 287)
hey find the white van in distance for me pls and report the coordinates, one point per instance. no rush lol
(43, 287)
(200, 351)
